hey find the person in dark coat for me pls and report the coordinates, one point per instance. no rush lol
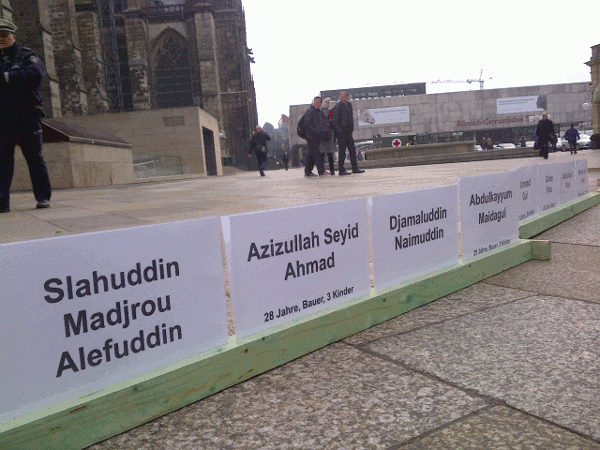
(21, 73)
(545, 135)
(286, 159)
(343, 123)
(572, 136)
(312, 123)
(258, 144)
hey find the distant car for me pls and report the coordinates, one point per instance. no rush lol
(478, 148)
(584, 143)
(504, 146)
(562, 144)
(530, 144)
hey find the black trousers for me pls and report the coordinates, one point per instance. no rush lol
(346, 142)
(544, 149)
(314, 157)
(262, 159)
(329, 157)
(23, 128)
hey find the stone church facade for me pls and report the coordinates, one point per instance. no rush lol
(106, 56)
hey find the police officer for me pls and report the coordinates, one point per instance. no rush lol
(21, 73)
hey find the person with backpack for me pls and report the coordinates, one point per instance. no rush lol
(572, 136)
(343, 123)
(258, 143)
(327, 145)
(310, 128)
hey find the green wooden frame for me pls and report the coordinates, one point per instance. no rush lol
(89, 419)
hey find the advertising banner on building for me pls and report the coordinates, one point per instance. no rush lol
(582, 186)
(383, 116)
(82, 312)
(413, 233)
(548, 187)
(288, 263)
(568, 190)
(488, 212)
(530, 103)
(527, 194)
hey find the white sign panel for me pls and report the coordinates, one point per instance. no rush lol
(548, 187)
(521, 104)
(527, 193)
(582, 186)
(488, 212)
(82, 312)
(383, 116)
(413, 233)
(567, 181)
(288, 263)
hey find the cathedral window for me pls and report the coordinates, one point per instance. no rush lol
(173, 83)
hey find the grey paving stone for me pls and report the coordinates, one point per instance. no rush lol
(474, 298)
(583, 229)
(501, 428)
(540, 355)
(335, 398)
(573, 272)
(91, 223)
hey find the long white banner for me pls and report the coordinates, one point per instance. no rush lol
(511, 105)
(383, 116)
(488, 212)
(527, 194)
(287, 263)
(413, 233)
(82, 312)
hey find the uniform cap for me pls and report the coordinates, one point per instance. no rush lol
(7, 26)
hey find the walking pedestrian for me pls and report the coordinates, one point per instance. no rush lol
(343, 123)
(327, 144)
(286, 159)
(572, 136)
(258, 144)
(21, 73)
(545, 135)
(311, 126)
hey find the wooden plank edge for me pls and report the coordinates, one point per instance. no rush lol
(108, 412)
(543, 222)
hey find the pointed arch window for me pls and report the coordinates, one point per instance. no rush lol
(173, 83)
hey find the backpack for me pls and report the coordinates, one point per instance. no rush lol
(301, 130)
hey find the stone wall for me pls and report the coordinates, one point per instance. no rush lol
(140, 70)
(175, 132)
(74, 165)
(67, 54)
(92, 60)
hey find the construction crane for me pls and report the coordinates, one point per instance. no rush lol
(480, 81)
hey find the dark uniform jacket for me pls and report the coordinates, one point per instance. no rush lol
(25, 73)
(259, 140)
(343, 119)
(313, 123)
(545, 131)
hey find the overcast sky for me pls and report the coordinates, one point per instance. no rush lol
(304, 47)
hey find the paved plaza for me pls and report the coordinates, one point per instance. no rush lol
(512, 362)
